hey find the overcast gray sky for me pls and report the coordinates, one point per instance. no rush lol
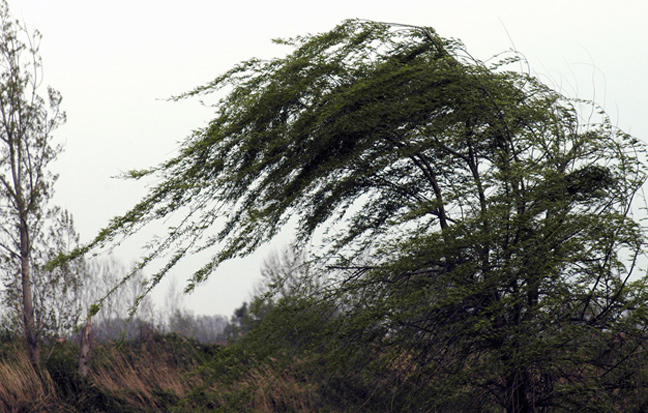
(115, 62)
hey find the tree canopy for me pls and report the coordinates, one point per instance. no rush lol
(479, 221)
(396, 121)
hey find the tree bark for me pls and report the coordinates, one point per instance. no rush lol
(31, 335)
(84, 352)
(517, 384)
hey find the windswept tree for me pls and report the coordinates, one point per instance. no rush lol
(26, 150)
(497, 221)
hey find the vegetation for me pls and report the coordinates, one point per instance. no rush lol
(142, 375)
(26, 149)
(484, 248)
(480, 249)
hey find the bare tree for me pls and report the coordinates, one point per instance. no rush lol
(180, 320)
(116, 295)
(287, 273)
(26, 149)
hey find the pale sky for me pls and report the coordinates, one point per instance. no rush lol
(115, 62)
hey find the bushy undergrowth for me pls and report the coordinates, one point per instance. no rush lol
(173, 373)
(293, 355)
(267, 369)
(156, 374)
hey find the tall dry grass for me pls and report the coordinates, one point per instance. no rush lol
(146, 378)
(21, 387)
(270, 390)
(159, 375)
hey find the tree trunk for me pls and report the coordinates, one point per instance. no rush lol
(84, 352)
(518, 384)
(31, 335)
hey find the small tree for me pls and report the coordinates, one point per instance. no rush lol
(58, 292)
(26, 149)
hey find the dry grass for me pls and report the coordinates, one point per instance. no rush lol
(144, 378)
(269, 389)
(149, 377)
(21, 388)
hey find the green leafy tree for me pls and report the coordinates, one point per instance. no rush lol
(497, 221)
(26, 149)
